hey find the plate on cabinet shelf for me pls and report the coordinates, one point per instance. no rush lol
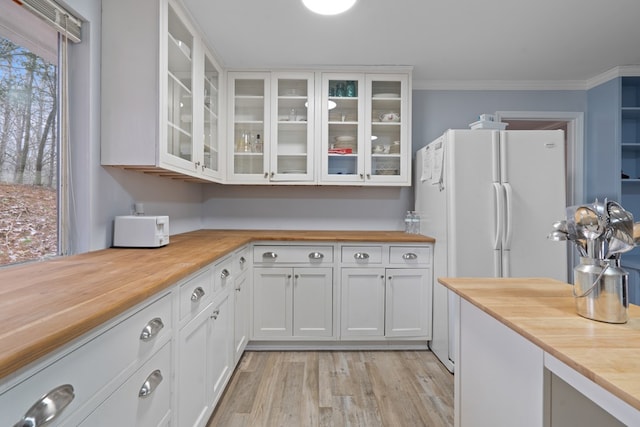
(386, 95)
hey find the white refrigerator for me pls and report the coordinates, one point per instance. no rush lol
(490, 199)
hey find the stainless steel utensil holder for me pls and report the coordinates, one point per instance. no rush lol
(601, 290)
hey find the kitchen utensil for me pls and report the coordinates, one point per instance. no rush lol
(560, 236)
(591, 227)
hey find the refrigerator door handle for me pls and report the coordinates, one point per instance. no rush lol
(497, 191)
(506, 242)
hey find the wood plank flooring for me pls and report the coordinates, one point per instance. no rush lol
(337, 388)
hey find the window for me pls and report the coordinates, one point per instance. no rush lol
(30, 104)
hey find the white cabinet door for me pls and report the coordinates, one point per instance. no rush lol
(211, 148)
(241, 316)
(272, 302)
(248, 122)
(499, 374)
(220, 346)
(193, 390)
(313, 302)
(292, 127)
(387, 145)
(342, 115)
(408, 302)
(362, 302)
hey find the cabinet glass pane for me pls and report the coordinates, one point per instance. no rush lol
(249, 126)
(386, 120)
(179, 98)
(211, 143)
(343, 127)
(291, 143)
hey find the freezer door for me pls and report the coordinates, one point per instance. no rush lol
(471, 169)
(532, 172)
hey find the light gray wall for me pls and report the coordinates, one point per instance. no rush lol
(435, 111)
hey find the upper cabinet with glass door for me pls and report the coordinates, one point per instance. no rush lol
(212, 152)
(180, 94)
(292, 130)
(365, 122)
(342, 115)
(388, 156)
(160, 113)
(271, 117)
(248, 127)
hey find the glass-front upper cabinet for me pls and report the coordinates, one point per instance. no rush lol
(342, 115)
(180, 106)
(211, 150)
(387, 111)
(271, 117)
(248, 127)
(291, 142)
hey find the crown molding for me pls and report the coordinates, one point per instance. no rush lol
(620, 71)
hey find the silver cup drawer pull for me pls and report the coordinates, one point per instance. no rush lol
(270, 255)
(409, 256)
(316, 255)
(242, 260)
(151, 383)
(197, 294)
(361, 255)
(48, 407)
(224, 274)
(151, 329)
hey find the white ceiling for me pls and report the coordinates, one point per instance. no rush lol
(448, 42)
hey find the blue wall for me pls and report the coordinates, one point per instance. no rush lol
(435, 111)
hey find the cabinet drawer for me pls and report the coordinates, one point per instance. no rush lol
(316, 255)
(362, 255)
(97, 366)
(195, 293)
(410, 255)
(143, 400)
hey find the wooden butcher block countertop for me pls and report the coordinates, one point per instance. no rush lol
(544, 312)
(44, 305)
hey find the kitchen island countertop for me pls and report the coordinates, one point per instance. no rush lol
(543, 311)
(44, 305)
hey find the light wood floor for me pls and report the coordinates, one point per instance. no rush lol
(337, 388)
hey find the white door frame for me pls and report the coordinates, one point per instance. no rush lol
(575, 145)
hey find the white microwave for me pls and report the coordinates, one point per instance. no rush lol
(139, 231)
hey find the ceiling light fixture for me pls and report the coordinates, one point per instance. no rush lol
(328, 7)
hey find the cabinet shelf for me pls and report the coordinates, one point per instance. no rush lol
(179, 129)
(177, 80)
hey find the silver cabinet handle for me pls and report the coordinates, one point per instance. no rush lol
(368, 176)
(271, 255)
(48, 407)
(215, 314)
(361, 255)
(273, 174)
(266, 174)
(197, 294)
(151, 383)
(361, 176)
(151, 329)
(316, 255)
(242, 260)
(409, 255)
(224, 274)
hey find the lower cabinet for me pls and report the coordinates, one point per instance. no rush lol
(391, 302)
(292, 302)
